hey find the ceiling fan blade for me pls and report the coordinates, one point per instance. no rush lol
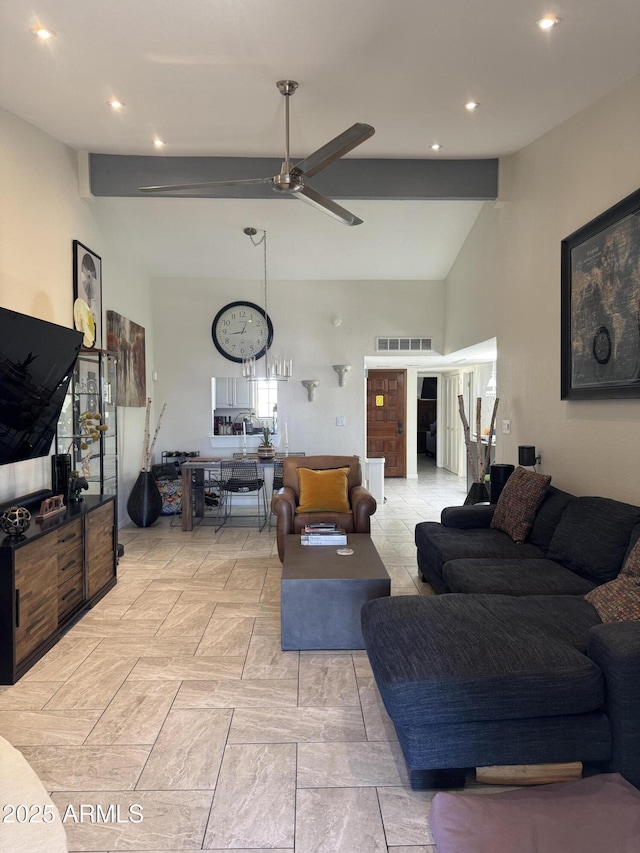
(175, 187)
(333, 150)
(326, 205)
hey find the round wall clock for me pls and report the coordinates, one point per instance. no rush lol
(241, 330)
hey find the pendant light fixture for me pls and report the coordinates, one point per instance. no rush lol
(276, 368)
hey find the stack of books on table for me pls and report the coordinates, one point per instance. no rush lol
(323, 534)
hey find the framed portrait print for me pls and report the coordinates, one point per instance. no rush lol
(600, 309)
(87, 294)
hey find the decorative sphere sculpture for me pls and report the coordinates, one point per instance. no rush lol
(15, 520)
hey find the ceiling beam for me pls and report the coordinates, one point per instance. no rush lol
(118, 175)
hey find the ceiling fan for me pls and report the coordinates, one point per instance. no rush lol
(292, 178)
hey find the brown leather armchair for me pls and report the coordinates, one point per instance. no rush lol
(284, 502)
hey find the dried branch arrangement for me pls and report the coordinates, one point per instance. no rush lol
(480, 459)
(148, 444)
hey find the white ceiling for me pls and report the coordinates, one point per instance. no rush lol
(201, 75)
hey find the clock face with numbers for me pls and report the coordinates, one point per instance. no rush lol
(241, 330)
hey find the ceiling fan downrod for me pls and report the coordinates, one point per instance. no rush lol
(286, 181)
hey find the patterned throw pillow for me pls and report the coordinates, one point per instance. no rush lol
(171, 494)
(631, 567)
(519, 502)
(618, 600)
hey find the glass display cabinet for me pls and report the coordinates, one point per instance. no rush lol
(87, 427)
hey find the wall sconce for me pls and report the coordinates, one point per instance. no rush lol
(527, 455)
(310, 385)
(341, 370)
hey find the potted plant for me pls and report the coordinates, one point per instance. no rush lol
(90, 429)
(266, 450)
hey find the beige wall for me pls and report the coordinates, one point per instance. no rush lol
(506, 282)
(41, 213)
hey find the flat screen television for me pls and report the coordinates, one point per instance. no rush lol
(429, 388)
(36, 363)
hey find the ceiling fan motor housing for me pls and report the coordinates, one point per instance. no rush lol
(290, 182)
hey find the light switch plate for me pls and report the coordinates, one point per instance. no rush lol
(506, 427)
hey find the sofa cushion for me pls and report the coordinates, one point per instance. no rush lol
(447, 658)
(323, 491)
(544, 525)
(439, 544)
(592, 537)
(593, 814)
(518, 503)
(513, 577)
(618, 600)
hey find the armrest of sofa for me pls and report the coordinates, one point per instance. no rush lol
(615, 648)
(363, 505)
(467, 517)
(283, 506)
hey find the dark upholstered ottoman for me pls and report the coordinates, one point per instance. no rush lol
(592, 815)
(478, 680)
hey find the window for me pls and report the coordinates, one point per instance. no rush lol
(266, 397)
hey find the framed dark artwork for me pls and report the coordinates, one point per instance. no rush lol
(600, 309)
(87, 294)
(126, 339)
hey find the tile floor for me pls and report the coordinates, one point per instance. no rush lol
(173, 695)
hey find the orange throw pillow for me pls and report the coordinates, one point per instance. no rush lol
(323, 491)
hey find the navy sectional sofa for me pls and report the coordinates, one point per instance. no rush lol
(512, 665)
(577, 543)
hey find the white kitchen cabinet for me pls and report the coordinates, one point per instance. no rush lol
(233, 393)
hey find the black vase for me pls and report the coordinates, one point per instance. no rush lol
(145, 502)
(478, 493)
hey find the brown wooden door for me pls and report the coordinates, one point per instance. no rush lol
(387, 419)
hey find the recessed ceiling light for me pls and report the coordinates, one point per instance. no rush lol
(471, 106)
(158, 143)
(115, 104)
(436, 146)
(548, 22)
(43, 33)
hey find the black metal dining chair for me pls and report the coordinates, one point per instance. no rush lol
(278, 463)
(240, 478)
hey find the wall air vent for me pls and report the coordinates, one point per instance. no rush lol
(403, 345)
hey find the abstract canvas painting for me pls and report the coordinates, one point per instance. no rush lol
(126, 339)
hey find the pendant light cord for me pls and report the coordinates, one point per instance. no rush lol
(263, 241)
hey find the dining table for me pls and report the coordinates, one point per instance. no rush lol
(194, 472)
